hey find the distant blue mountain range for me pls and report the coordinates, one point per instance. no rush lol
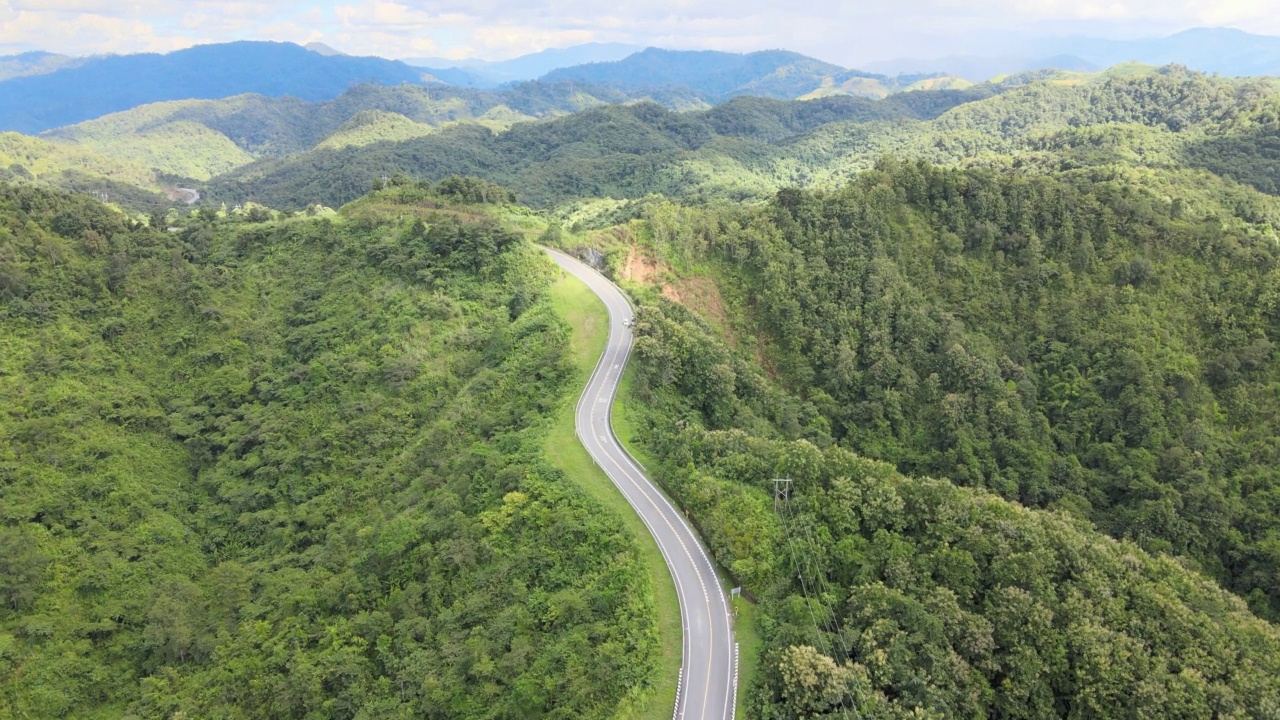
(40, 91)
(715, 76)
(34, 63)
(485, 74)
(101, 85)
(1216, 50)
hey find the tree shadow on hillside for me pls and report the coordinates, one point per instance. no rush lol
(1252, 158)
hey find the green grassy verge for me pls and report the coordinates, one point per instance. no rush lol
(587, 316)
(744, 626)
(749, 646)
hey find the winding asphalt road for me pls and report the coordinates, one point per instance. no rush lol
(708, 678)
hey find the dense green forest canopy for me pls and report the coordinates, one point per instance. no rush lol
(946, 322)
(1096, 342)
(293, 469)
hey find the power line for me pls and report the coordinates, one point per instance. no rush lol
(782, 498)
(821, 577)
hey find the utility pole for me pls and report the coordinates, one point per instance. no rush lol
(781, 492)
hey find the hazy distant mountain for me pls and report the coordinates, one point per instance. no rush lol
(1220, 50)
(461, 77)
(319, 47)
(979, 69)
(716, 76)
(103, 85)
(483, 73)
(34, 63)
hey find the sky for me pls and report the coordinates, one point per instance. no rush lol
(848, 32)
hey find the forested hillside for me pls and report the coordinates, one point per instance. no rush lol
(43, 163)
(751, 147)
(1093, 342)
(736, 150)
(191, 141)
(293, 469)
(1097, 346)
(288, 153)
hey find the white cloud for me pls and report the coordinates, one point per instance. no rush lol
(83, 34)
(839, 30)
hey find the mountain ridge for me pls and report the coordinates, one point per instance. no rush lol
(1228, 51)
(114, 83)
(716, 76)
(488, 74)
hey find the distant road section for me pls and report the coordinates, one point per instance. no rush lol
(188, 195)
(707, 680)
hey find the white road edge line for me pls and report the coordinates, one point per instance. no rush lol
(643, 486)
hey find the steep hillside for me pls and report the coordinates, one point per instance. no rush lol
(23, 157)
(1100, 341)
(181, 148)
(294, 469)
(1071, 356)
(29, 160)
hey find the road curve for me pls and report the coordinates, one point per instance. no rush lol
(708, 677)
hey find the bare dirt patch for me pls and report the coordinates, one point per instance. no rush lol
(640, 269)
(700, 295)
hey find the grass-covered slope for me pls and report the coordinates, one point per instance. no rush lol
(181, 149)
(589, 321)
(295, 469)
(25, 158)
(69, 166)
(373, 126)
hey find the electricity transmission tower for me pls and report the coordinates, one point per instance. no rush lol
(781, 492)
